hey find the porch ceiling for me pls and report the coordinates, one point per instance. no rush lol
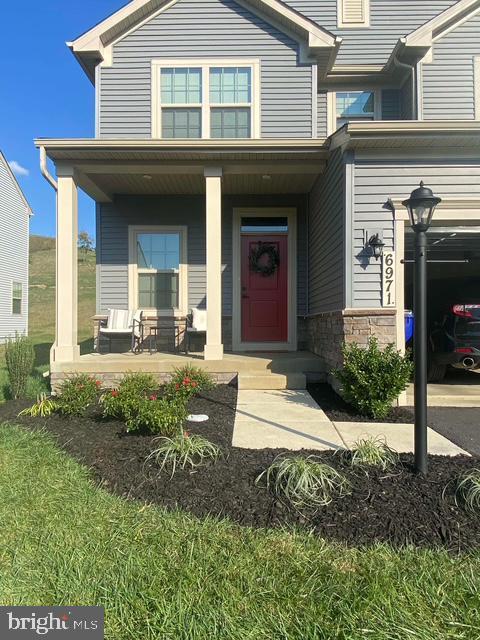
(105, 168)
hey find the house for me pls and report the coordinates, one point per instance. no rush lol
(15, 215)
(246, 151)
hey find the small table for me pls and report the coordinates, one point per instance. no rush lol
(154, 332)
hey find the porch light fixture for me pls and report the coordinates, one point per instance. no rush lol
(420, 206)
(147, 177)
(376, 245)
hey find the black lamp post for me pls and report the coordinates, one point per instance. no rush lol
(421, 206)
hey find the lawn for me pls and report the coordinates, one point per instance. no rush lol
(42, 308)
(171, 576)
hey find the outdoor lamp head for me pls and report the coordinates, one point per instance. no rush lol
(376, 245)
(421, 206)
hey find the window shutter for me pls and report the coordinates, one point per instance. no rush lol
(353, 13)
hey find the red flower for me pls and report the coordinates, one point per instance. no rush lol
(114, 393)
(194, 384)
(153, 397)
(186, 381)
(177, 386)
(98, 383)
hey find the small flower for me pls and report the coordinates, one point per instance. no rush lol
(153, 397)
(186, 380)
(194, 384)
(98, 383)
(177, 386)
(114, 393)
(186, 434)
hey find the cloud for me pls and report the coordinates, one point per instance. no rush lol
(17, 168)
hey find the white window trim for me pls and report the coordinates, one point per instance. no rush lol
(332, 106)
(476, 85)
(133, 231)
(205, 64)
(14, 282)
(353, 25)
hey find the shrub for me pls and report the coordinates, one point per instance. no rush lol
(43, 407)
(468, 490)
(19, 357)
(372, 452)
(123, 403)
(77, 393)
(372, 379)
(188, 381)
(304, 482)
(184, 450)
(162, 416)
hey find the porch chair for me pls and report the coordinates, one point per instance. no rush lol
(196, 324)
(121, 323)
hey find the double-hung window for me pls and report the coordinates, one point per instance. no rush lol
(17, 295)
(158, 268)
(205, 99)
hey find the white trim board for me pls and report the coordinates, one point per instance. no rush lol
(291, 214)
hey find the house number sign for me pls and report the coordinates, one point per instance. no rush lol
(388, 279)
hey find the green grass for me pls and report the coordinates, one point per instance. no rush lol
(169, 576)
(42, 309)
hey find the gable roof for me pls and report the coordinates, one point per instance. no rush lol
(94, 46)
(13, 177)
(417, 43)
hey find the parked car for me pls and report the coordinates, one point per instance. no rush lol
(455, 341)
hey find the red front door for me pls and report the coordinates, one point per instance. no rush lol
(264, 297)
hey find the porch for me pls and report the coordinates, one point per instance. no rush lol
(252, 370)
(209, 203)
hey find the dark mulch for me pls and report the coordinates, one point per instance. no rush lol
(339, 411)
(398, 507)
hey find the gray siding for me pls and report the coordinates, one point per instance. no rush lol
(375, 182)
(322, 114)
(326, 238)
(406, 100)
(112, 257)
(389, 20)
(448, 83)
(206, 28)
(14, 223)
(391, 104)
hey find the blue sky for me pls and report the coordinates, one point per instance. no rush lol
(45, 93)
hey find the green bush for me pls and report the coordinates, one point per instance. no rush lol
(372, 379)
(157, 415)
(188, 381)
(77, 393)
(123, 403)
(19, 357)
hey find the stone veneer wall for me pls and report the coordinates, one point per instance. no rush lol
(328, 331)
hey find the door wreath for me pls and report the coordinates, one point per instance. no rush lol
(258, 264)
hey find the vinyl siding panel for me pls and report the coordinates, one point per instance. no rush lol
(389, 20)
(448, 82)
(207, 29)
(322, 114)
(391, 104)
(375, 182)
(114, 219)
(326, 238)
(14, 224)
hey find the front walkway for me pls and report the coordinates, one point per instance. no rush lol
(293, 420)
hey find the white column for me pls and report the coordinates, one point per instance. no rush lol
(66, 348)
(399, 236)
(214, 346)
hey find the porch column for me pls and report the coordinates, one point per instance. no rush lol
(214, 345)
(66, 346)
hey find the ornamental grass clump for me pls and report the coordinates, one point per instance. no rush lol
(372, 452)
(304, 482)
(371, 379)
(184, 450)
(19, 358)
(468, 490)
(188, 381)
(42, 408)
(77, 394)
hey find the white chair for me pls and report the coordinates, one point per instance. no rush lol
(196, 324)
(121, 323)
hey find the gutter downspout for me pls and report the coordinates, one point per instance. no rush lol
(413, 70)
(44, 169)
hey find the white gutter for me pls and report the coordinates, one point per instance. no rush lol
(413, 74)
(44, 169)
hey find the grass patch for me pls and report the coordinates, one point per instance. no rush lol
(170, 576)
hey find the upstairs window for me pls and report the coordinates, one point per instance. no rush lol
(353, 14)
(205, 99)
(17, 295)
(354, 106)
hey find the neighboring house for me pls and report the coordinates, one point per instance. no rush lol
(15, 215)
(223, 124)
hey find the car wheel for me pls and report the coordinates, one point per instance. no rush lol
(436, 372)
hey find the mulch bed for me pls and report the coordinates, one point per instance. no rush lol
(398, 507)
(339, 411)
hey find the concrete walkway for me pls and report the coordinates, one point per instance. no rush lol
(290, 419)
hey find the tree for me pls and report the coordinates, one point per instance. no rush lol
(85, 242)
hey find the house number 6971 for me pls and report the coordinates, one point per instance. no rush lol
(388, 279)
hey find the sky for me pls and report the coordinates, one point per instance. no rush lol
(45, 93)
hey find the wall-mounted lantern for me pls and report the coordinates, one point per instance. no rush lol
(376, 245)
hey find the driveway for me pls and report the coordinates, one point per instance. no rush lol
(461, 425)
